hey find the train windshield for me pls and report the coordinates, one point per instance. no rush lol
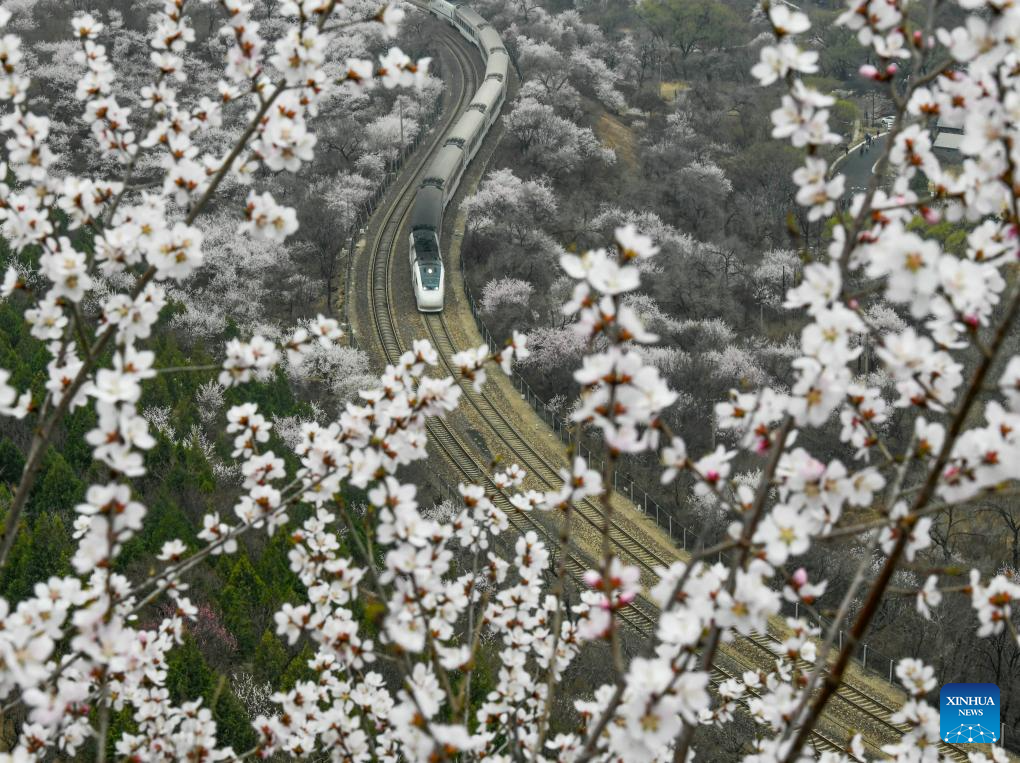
(430, 266)
(431, 275)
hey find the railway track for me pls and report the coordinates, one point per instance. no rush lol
(880, 713)
(385, 252)
(542, 470)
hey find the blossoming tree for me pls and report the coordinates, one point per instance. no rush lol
(74, 651)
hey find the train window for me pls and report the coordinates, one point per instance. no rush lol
(479, 107)
(425, 246)
(458, 142)
(431, 274)
(428, 262)
(434, 182)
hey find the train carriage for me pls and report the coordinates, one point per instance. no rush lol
(489, 42)
(427, 213)
(497, 66)
(423, 244)
(469, 23)
(468, 133)
(445, 170)
(427, 271)
(443, 8)
(489, 100)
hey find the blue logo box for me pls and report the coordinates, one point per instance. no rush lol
(969, 713)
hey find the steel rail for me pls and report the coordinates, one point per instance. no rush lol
(851, 695)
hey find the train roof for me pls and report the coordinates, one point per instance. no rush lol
(427, 213)
(470, 16)
(490, 39)
(488, 94)
(498, 65)
(426, 246)
(467, 128)
(445, 166)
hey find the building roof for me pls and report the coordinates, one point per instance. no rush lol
(949, 140)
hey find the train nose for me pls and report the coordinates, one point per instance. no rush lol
(431, 301)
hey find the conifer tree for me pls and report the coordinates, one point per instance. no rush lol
(270, 657)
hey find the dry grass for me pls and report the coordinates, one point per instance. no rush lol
(615, 134)
(668, 90)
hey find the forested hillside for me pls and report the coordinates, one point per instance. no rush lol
(694, 164)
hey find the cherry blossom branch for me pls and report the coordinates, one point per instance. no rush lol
(45, 433)
(751, 521)
(558, 590)
(935, 508)
(870, 606)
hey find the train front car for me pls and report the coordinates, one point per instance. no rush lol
(423, 243)
(443, 8)
(427, 271)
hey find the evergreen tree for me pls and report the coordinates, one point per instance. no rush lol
(190, 470)
(273, 567)
(58, 488)
(233, 726)
(76, 450)
(39, 552)
(121, 722)
(297, 669)
(14, 575)
(245, 602)
(12, 463)
(270, 658)
(188, 677)
(166, 522)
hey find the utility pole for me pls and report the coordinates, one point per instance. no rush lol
(400, 103)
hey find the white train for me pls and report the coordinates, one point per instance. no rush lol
(443, 174)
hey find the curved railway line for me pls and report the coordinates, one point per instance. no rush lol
(384, 251)
(877, 711)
